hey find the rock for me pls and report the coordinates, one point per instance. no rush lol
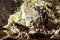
(57, 36)
(32, 32)
(57, 32)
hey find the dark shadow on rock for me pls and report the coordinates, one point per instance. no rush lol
(38, 35)
(9, 39)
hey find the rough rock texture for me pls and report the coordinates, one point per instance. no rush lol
(6, 8)
(56, 37)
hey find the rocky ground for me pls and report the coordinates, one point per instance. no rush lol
(36, 38)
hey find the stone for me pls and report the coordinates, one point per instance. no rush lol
(57, 36)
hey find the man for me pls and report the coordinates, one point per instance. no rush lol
(43, 18)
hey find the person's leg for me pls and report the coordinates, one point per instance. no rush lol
(45, 30)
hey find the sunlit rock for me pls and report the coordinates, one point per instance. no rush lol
(57, 32)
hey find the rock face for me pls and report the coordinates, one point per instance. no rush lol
(30, 14)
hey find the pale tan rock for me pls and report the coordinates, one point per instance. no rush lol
(57, 32)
